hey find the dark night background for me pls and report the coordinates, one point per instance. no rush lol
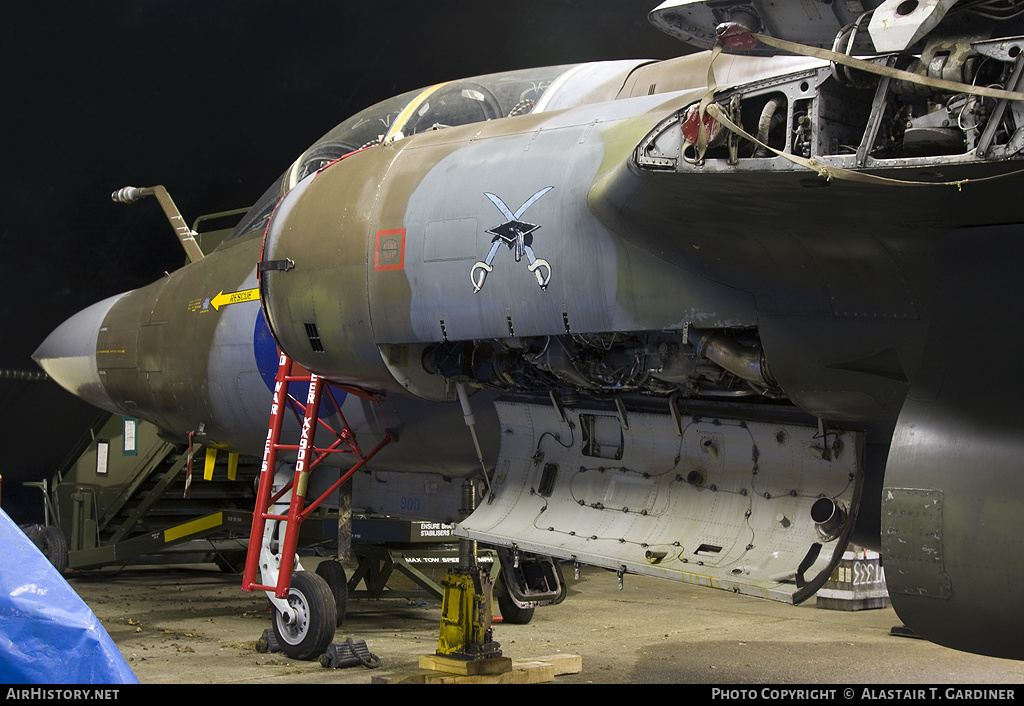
(213, 100)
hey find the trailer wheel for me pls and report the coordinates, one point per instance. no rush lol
(312, 630)
(53, 546)
(334, 574)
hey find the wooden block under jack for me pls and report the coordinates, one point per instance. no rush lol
(563, 663)
(535, 671)
(454, 665)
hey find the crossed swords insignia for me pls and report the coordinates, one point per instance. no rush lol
(518, 236)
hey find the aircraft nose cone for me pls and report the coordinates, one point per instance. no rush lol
(68, 355)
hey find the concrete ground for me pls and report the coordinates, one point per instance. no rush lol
(193, 624)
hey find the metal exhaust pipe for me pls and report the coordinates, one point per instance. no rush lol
(743, 362)
(828, 518)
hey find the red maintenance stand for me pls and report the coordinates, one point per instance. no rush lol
(301, 622)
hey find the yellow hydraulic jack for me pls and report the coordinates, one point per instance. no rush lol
(466, 642)
(466, 616)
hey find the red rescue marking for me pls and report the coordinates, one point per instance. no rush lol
(390, 251)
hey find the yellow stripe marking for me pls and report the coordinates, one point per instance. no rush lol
(200, 525)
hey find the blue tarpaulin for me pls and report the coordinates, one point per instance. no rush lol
(48, 635)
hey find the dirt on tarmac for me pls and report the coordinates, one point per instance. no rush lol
(192, 624)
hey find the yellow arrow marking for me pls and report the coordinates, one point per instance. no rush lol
(246, 295)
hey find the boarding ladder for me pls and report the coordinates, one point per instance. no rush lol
(308, 457)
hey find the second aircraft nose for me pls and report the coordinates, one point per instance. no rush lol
(68, 355)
